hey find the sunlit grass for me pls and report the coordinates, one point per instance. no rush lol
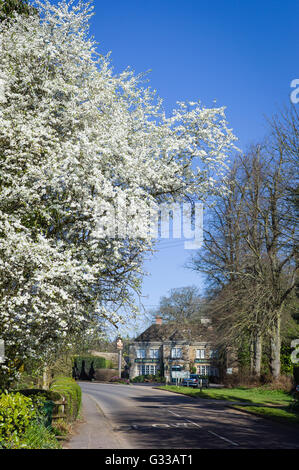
(277, 402)
(254, 395)
(279, 414)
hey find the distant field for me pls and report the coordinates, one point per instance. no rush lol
(277, 403)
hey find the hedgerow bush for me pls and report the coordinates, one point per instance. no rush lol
(104, 375)
(38, 393)
(71, 391)
(116, 379)
(23, 420)
(149, 378)
(98, 362)
(17, 412)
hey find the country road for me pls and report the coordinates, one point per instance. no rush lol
(141, 417)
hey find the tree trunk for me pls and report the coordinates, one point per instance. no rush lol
(275, 349)
(252, 357)
(257, 358)
(46, 380)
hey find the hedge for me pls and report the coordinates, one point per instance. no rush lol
(71, 391)
(16, 414)
(148, 378)
(98, 362)
(22, 424)
(38, 393)
(43, 401)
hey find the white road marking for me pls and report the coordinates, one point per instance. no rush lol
(211, 432)
(174, 413)
(214, 434)
(159, 425)
(195, 424)
(223, 438)
(172, 425)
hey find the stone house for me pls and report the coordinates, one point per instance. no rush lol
(163, 349)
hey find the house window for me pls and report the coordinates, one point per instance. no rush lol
(145, 369)
(140, 353)
(208, 370)
(200, 354)
(204, 370)
(154, 353)
(176, 353)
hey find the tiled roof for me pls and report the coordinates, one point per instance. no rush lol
(175, 332)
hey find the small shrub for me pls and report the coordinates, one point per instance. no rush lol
(138, 379)
(16, 414)
(104, 375)
(119, 380)
(22, 422)
(284, 383)
(148, 378)
(43, 401)
(241, 379)
(61, 427)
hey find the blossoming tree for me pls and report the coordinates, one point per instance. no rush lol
(74, 140)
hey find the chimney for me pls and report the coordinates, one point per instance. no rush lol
(159, 320)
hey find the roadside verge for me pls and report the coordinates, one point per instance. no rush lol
(280, 413)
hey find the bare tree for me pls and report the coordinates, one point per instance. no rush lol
(249, 252)
(183, 304)
(285, 132)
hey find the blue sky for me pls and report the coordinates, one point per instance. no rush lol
(242, 53)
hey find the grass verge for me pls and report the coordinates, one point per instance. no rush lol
(274, 404)
(279, 414)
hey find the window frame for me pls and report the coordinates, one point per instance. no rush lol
(176, 355)
(140, 356)
(154, 353)
(200, 354)
(147, 369)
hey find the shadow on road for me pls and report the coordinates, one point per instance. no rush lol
(172, 421)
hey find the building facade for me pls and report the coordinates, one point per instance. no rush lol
(165, 349)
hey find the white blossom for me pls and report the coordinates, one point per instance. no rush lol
(74, 139)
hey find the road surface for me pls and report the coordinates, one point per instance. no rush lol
(141, 417)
